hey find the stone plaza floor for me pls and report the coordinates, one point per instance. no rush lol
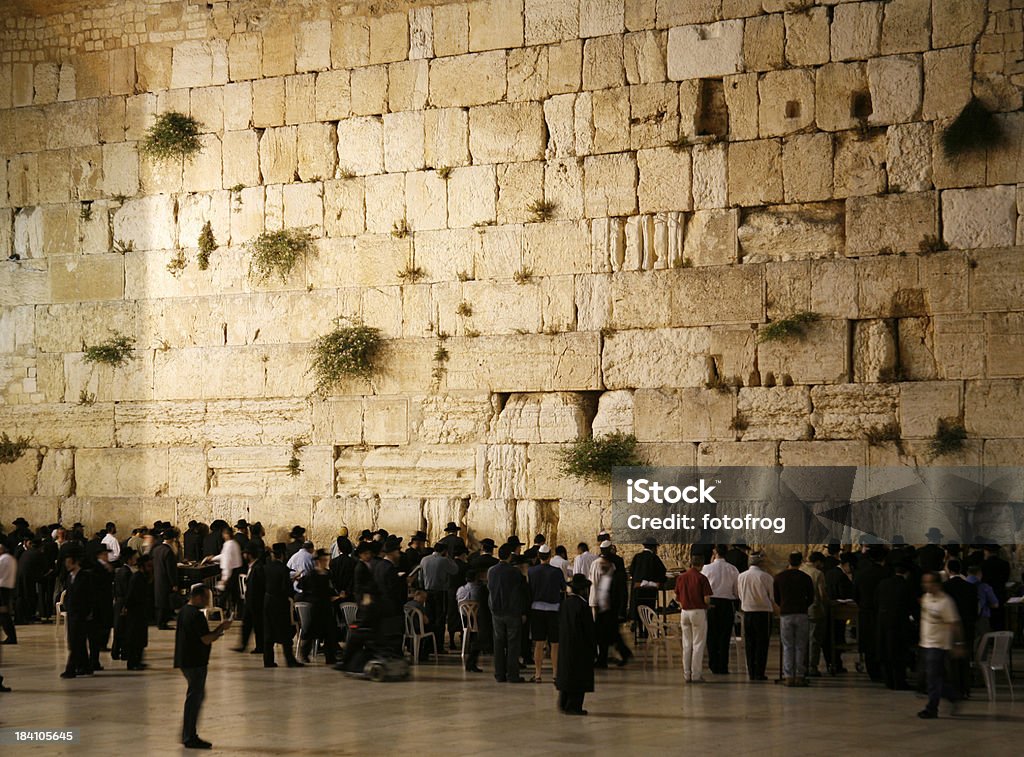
(442, 710)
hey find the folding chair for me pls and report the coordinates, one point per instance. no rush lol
(991, 660)
(415, 631)
(469, 614)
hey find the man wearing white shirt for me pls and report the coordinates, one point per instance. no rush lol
(8, 579)
(723, 577)
(756, 588)
(940, 633)
(230, 561)
(113, 545)
(584, 559)
(560, 561)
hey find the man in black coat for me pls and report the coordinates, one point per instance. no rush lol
(965, 597)
(577, 641)
(135, 611)
(165, 579)
(102, 605)
(451, 539)
(192, 539)
(255, 594)
(319, 592)
(394, 592)
(870, 573)
(78, 605)
(931, 556)
(897, 607)
(648, 574)
(995, 571)
(277, 618)
(214, 540)
(32, 570)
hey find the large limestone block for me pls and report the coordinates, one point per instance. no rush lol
(556, 247)
(909, 157)
(440, 511)
(922, 403)
(454, 418)
(313, 46)
(712, 295)
(856, 30)
(979, 218)
(120, 169)
(332, 98)
(655, 358)
(187, 472)
(495, 24)
(859, 165)
(501, 470)
(386, 420)
(57, 474)
(665, 180)
(80, 278)
(467, 79)
(686, 414)
(764, 39)
(446, 137)
(997, 280)
(127, 512)
(331, 513)
(61, 425)
(610, 183)
(872, 225)
(264, 471)
(24, 282)
(245, 54)
(895, 84)
(490, 518)
(520, 185)
(874, 351)
(338, 421)
(241, 158)
(448, 470)
(562, 362)
(537, 516)
(385, 202)
(246, 422)
(582, 520)
(824, 453)
(403, 141)
(472, 196)
(792, 232)
(317, 152)
(819, 357)
(778, 412)
(361, 146)
(141, 472)
(18, 479)
(786, 102)
(139, 424)
(426, 201)
(542, 417)
(948, 80)
(708, 51)
(1005, 339)
(956, 23)
(848, 411)
(278, 155)
(131, 381)
(71, 124)
(545, 480)
(614, 413)
(199, 64)
(369, 90)
(268, 102)
(203, 172)
(644, 57)
(499, 307)
(148, 222)
(807, 37)
(507, 133)
(993, 409)
(838, 88)
(755, 172)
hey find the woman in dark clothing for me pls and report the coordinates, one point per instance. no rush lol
(577, 646)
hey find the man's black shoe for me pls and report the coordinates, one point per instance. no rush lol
(473, 669)
(197, 743)
(68, 674)
(516, 680)
(575, 712)
(927, 715)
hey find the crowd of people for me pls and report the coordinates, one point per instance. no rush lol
(914, 608)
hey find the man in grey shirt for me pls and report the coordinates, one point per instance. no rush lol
(437, 570)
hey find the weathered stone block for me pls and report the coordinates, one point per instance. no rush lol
(665, 179)
(755, 172)
(819, 357)
(567, 362)
(467, 79)
(994, 409)
(403, 141)
(956, 23)
(603, 65)
(369, 90)
(786, 102)
(542, 418)
(472, 196)
(75, 278)
(922, 403)
(874, 351)
(808, 37)
(408, 87)
(792, 232)
(841, 96)
(268, 102)
(655, 358)
(278, 155)
(507, 133)
(361, 146)
(848, 411)
(199, 64)
(548, 21)
(495, 24)
(870, 227)
(610, 185)
(780, 412)
(856, 30)
(896, 89)
(978, 218)
(708, 51)
(245, 56)
(313, 46)
(120, 472)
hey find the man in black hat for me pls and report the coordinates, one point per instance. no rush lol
(995, 571)
(508, 610)
(192, 641)
(277, 615)
(517, 545)
(393, 592)
(137, 600)
(317, 589)
(451, 539)
(438, 571)
(648, 572)
(415, 552)
(486, 559)
(296, 539)
(102, 620)
(255, 595)
(192, 542)
(574, 676)
(897, 608)
(870, 573)
(78, 605)
(367, 597)
(213, 542)
(165, 579)
(241, 534)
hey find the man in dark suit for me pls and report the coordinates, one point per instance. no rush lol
(931, 556)
(870, 573)
(896, 608)
(135, 611)
(648, 574)
(78, 605)
(965, 597)
(451, 539)
(192, 550)
(102, 620)
(277, 619)
(255, 593)
(577, 639)
(165, 579)
(995, 571)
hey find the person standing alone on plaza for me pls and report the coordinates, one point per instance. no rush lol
(756, 590)
(693, 592)
(192, 641)
(794, 594)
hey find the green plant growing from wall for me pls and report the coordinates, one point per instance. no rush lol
(348, 351)
(278, 252)
(541, 210)
(444, 172)
(976, 128)
(86, 212)
(85, 397)
(12, 449)
(294, 462)
(593, 459)
(464, 276)
(471, 333)
(793, 326)
(123, 247)
(888, 432)
(739, 423)
(178, 263)
(441, 357)
(207, 244)
(400, 229)
(465, 309)
(932, 244)
(116, 350)
(236, 197)
(523, 276)
(411, 274)
(949, 437)
(173, 135)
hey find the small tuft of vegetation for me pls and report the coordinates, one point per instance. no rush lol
(932, 244)
(464, 276)
(739, 423)
(687, 263)
(278, 252)
(123, 247)
(465, 309)
(349, 351)
(444, 172)
(85, 397)
(400, 229)
(346, 173)
(178, 263)
(471, 333)
(86, 212)
(949, 437)
(976, 128)
(207, 244)
(440, 358)
(607, 332)
(12, 449)
(120, 199)
(411, 274)
(116, 350)
(482, 224)
(236, 189)
(878, 435)
(294, 463)
(523, 276)
(792, 326)
(541, 210)
(174, 135)
(593, 459)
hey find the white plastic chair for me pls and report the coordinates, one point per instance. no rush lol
(61, 615)
(348, 616)
(469, 615)
(994, 657)
(658, 635)
(415, 631)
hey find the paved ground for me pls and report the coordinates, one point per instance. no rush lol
(442, 710)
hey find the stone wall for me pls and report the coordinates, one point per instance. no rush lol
(712, 165)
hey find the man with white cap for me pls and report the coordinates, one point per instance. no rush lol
(547, 585)
(604, 598)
